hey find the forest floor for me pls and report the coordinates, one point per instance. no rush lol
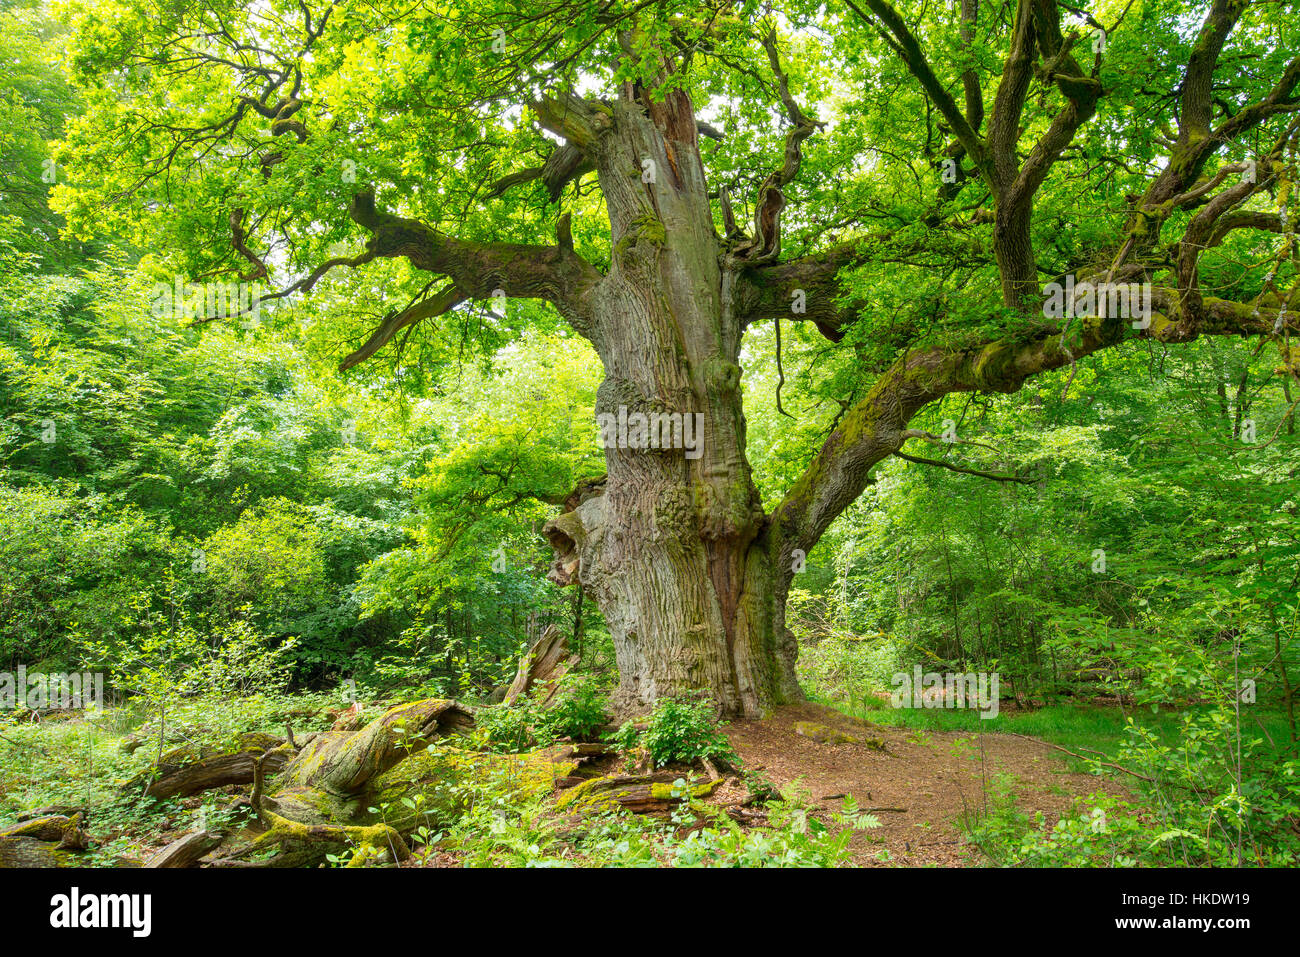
(924, 784)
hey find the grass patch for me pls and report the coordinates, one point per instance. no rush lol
(1070, 725)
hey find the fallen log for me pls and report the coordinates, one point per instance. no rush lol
(343, 761)
(42, 841)
(30, 852)
(74, 838)
(65, 810)
(320, 802)
(48, 828)
(364, 791)
(188, 770)
(579, 755)
(638, 793)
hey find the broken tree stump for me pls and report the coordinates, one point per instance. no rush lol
(546, 663)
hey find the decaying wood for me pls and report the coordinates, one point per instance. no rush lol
(74, 838)
(318, 803)
(580, 751)
(743, 816)
(349, 719)
(344, 761)
(181, 772)
(546, 663)
(30, 852)
(580, 755)
(49, 828)
(299, 844)
(186, 851)
(65, 810)
(37, 842)
(639, 793)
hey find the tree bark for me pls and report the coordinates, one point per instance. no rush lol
(672, 548)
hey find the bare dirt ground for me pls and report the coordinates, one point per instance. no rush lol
(922, 783)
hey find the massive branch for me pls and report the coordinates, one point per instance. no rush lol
(876, 426)
(556, 273)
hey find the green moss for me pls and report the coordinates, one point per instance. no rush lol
(579, 795)
(1161, 326)
(992, 363)
(28, 852)
(646, 228)
(441, 782)
(49, 828)
(312, 805)
(669, 792)
(824, 735)
(601, 793)
(651, 229)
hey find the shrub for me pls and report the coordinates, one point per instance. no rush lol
(578, 711)
(678, 731)
(849, 668)
(508, 728)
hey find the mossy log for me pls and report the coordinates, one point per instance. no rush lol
(289, 843)
(345, 761)
(30, 852)
(580, 755)
(351, 718)
(188, 770)
(42, 841)
(825, 735)
(441, 781)
(64, 810)
(639, 793)
(305, 823)
(48, 828)
(319, 802)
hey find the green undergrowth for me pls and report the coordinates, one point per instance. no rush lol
(1209, 784)
(694, 834)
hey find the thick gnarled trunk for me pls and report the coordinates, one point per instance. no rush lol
(686, 612)
(672, 549)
